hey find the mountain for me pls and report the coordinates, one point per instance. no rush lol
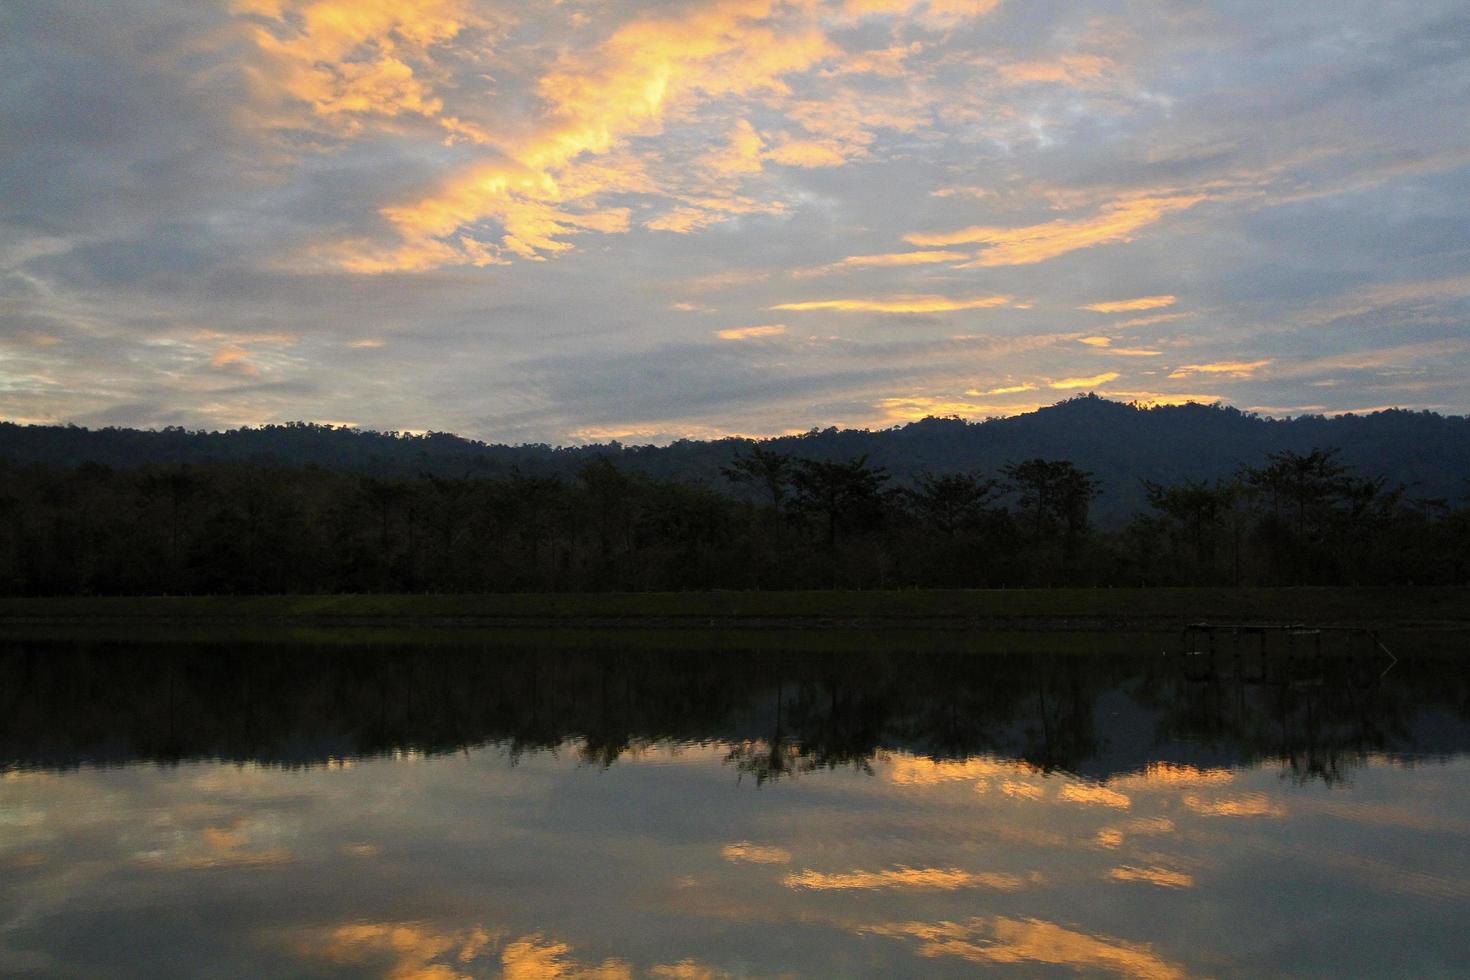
(1122, 444)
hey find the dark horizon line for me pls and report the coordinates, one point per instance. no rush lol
(1089, 398)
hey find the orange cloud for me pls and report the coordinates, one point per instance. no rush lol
(545, 187)
(1066, 384)
(1229, 369)
(1006, 390)
(755, 853)
(1081, 70)
(1152, 399)
(1162, 877)
(1096, 341)
(902, 258)
(904, 879)
(1012, 941)
(899, 304)
(915, 407)
(1148, 321)
(346, 59)
(1130, 305)
(810, 154)
(537, 958)
(746, 333)
(1116, 222)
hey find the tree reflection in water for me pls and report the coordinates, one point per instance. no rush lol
(778, 714)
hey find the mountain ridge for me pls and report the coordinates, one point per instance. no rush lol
(1122, 443)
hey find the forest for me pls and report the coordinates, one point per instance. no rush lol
(771, 520)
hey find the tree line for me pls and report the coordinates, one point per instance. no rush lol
(773, 521)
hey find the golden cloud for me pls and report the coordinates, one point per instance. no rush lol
(755, 853)
(1162, 877)
(1229, 369)
(1154, 399)
(915, 407)
(1080, 70)
(545, 187)
(1066, 384)
(904, 879)
(902, 258)
(1148, 321)
(351, 58)
(1116, 222)
(1006, 389)
(899, 304)
(1012, 941)
(746, 333)
(810, 154)
(1130, 305)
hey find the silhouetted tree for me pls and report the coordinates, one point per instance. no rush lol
(839, 494)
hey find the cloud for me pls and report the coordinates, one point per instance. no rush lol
(1163, 877)
(746, 333)
(1129, 305)
(1065, 384)
(749, 853)
(1011, 941)
(887, 260)
(1080, 70)
(899, 304)
(1027, 244)
(903, 879)
(1228, 369)
(914, 407)
(1148, 321)
(514, 199)
(1006, 389)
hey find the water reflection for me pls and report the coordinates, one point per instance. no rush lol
(430, 812)
(778, 714)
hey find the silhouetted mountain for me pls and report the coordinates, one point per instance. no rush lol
(1121, 444)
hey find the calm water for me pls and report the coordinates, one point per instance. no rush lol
(441, 812)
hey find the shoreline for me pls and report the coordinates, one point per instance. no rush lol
(963, 611)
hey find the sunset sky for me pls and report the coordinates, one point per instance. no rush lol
(647, 219)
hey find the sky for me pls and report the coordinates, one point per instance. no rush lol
(651, 219)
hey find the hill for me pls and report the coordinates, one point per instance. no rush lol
(1122, 444)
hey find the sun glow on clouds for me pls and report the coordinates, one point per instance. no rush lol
(1022, 941)
(747, 333)
(463, 184)
(1071, 384)
(899, 304)
(904, 879)
(1130, 305)
(546, 178)
(1118, 221)
(1228, 369)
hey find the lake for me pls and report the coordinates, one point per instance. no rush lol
(610, 807)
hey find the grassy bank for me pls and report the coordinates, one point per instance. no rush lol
(1022, 610)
